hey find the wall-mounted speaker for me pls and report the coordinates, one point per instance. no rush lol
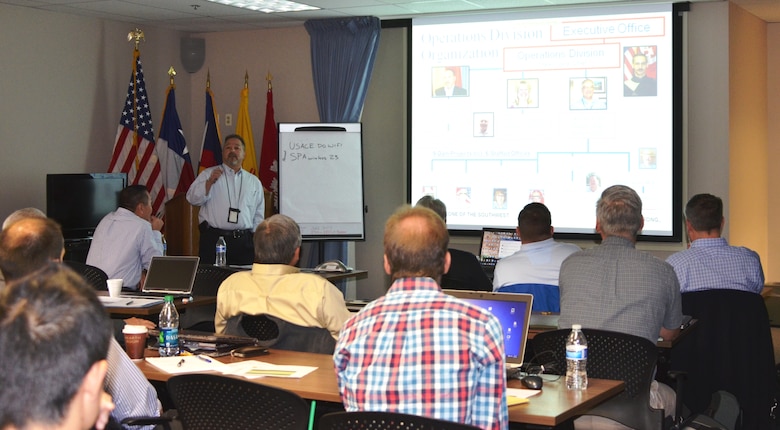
(193, 53)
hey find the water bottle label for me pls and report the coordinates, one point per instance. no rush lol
(221, 248)
(576, 352)
(169, 337)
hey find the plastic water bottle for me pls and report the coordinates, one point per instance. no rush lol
(576, 359)
(164, 244)
(169, 329)
(221, 252)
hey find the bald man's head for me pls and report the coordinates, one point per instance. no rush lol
(28, 245)
(21, 214)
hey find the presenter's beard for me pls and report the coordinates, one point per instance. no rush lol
(232, 160)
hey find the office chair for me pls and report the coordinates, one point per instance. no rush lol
(208, 278)
(729, 349)
(277, 333)
(547, 298)
(206, 402)
(385, 421)
(94, 276)
(618, 356)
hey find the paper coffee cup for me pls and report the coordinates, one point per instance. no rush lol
(135, 340)
(114, 287)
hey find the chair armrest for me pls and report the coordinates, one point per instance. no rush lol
(163, 420)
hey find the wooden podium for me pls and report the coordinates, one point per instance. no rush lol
(181, 226)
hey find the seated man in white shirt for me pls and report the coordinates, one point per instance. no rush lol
(539, 259)
(126, 240)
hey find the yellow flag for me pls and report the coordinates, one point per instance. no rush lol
(244, 129)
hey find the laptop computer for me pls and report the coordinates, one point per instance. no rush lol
(496, 244)
(513, 312)
(169, 275)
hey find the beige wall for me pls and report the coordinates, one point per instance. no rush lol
(64, 80)
(63, 83)
(748, 187)
(772, 258)
(283, 52)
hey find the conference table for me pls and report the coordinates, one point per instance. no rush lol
(180, 303)
(193, 302)
(552, 407)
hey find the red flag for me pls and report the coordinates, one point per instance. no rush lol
(269, 153)
(211, 155)
(134, 150)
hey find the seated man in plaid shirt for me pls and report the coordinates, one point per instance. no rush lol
(417, 350)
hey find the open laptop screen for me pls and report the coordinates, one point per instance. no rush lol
(171, 275)
(513, 312)
(496, 244)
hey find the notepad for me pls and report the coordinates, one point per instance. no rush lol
(253, 369)
(128, 302)
(519, 396)
(187, 364)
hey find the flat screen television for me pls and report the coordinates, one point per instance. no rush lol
(78, 201)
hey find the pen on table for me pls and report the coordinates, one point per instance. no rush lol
(180, 363)
(207, 360)
(129, 303)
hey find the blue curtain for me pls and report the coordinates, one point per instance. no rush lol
(343, 51)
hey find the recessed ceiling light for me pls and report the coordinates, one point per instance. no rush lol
(267, 6)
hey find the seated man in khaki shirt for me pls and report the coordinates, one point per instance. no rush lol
(276, 287)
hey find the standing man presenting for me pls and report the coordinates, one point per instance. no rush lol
(231, 205)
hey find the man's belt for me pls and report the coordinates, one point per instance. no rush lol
(235, 234)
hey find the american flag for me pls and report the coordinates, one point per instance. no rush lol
(134, 150)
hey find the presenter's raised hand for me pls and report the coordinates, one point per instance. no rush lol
(215, 174)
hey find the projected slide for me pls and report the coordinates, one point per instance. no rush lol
(538, 107)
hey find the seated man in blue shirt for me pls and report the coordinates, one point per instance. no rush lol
(126, 240)
(710, 262)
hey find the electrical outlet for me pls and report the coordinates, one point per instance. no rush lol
(228, 119)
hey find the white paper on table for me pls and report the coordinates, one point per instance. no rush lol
(521, 393)
(254, 369)
(189, 364)
(128, 302)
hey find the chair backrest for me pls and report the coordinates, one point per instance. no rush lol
(277, 333)
(209, 402)
(611, 355)
(385, 421)
(94, 276)
(729, 348)
(547, 298)
(208, 278)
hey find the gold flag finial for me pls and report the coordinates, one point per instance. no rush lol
(246, 79)
(171, 74)
(269, 78)
(208, 79)
(136, 34)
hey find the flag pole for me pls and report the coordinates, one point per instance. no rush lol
(171, 74)
(136, 36)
